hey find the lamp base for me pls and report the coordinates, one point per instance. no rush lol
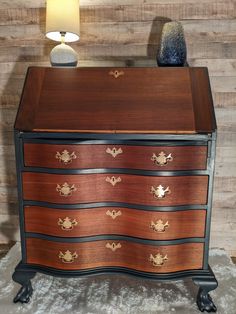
(63, 56)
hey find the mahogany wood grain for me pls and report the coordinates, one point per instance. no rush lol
(132, 188)
(131, 222)
(131, 255)
(133, 157)
(142, 100)
(30, 97)
(202, 100)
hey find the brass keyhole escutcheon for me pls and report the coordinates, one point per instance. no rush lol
(113, 214)
(113, 246)
(116, 73)
(113, 180)
(114, 151)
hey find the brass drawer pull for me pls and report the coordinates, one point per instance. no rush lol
(67, 224)
(160, 191)
(65, 189)
(113, 214)
(68, 257)
(162, 159)
(114, 152)
(113, 180)
(159, 226)
(158, 260)
(116, 73)
(113, 246)
(65, 157)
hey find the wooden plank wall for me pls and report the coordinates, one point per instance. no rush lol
(118, 33)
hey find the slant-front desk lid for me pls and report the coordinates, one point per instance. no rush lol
(116, 100)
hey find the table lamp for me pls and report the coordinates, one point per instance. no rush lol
(63, 25)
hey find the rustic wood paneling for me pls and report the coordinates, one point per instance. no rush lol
(125, 33)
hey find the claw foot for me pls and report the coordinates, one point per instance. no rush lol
(23, 276)
(206, 283)
(24, 294)
(204, 302)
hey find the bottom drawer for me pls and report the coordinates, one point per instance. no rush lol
(109, 253)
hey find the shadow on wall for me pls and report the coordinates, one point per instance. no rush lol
(155, 36)
(126, 53)
(153, 45)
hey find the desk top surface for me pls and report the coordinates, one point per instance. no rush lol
(117, 100)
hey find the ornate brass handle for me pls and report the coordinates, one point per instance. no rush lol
(160, 191)
(114, 152)
(162, 159)
(113, 246)
(68, 257)
(113, 180)
(65, 189)
(67, 224)
(116, 73)
(114, 214)
(159, 226)
(65, 157)
(158, 259)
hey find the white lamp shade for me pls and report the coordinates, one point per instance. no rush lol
(63, 16)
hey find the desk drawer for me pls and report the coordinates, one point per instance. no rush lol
(152, 225)
(115, 156)
(109, 253)
(135, 189)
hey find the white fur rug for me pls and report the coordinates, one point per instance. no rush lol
(116, 294)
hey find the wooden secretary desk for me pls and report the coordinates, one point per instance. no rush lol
(115, 174)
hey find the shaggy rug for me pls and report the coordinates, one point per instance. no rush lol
(115, 294)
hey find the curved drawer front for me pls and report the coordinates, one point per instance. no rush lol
(115, 220)
(115, 156)
(146, 190)
(89, 255)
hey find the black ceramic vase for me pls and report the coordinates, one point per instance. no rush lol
(172, 50)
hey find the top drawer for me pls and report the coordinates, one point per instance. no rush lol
(83, 156)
